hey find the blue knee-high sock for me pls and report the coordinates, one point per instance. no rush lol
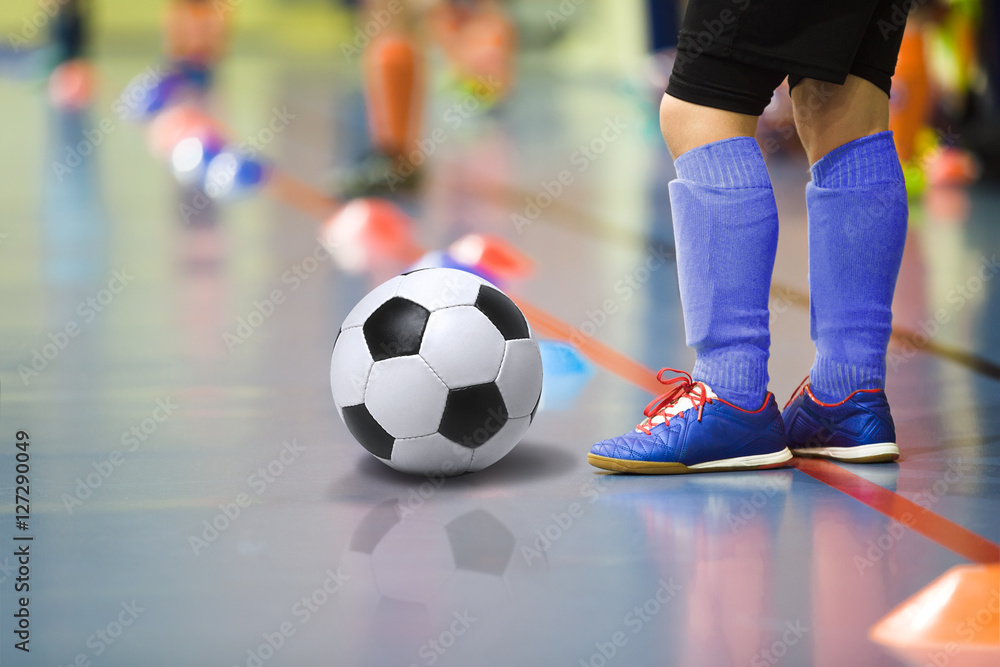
(857, 228)
(726, 233)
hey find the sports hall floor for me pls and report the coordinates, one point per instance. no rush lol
(539, 560)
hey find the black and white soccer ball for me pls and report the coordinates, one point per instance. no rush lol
(436, 372)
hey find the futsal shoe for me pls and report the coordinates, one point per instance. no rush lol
(858, 429)
(376, 174)
(691, 429)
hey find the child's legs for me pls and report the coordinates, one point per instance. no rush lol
(725, 221)
(686, 125)
(828, 116)
(857, 227)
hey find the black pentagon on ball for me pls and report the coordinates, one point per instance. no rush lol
(504, 315)
(395, 329)
(473, 415)
(367, 431)
(480, 542)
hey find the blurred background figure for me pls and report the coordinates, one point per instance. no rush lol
(71, 83)
(196, 36)
(478, 41)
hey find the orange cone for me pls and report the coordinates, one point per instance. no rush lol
(954, 621)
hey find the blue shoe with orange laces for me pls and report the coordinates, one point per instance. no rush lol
(691, 429)
(858, 429)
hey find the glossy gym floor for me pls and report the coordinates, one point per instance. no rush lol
(196, 501)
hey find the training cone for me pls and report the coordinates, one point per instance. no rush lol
(492, 255)
(955, 620)
(368, 232)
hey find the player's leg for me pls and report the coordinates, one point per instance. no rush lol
(721, 417)
(393, 84)
(686, 125)
(393, 92)
(857, 227)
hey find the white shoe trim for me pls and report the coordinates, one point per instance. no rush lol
(754, 461)
(851, 453)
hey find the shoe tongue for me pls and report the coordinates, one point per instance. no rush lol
(685, 402)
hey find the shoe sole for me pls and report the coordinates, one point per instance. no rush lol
(879, 452)
(755, 462)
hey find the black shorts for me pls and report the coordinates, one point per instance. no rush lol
(732, 54)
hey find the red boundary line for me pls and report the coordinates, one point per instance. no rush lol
(933, 526)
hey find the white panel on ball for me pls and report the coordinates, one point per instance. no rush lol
(500, 444)
(441, 288)
(520, 378)
(371, 302)
(350, 367)
(405, 397)
(413, 560)
(476, 360)
(430, 454)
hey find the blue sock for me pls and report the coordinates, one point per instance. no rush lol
(857, 228)
(726, 234)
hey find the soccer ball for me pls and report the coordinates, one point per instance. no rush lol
(436, 371)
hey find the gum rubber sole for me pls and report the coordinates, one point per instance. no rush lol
(756, 462)
(880, 452)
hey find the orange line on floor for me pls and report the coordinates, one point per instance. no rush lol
(916, 517)
(908, 513)
(602, 355)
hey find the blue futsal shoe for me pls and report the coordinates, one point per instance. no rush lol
(691, 429)
(858, 429)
